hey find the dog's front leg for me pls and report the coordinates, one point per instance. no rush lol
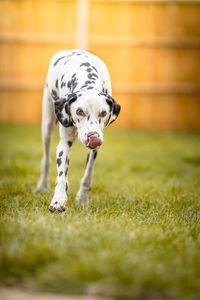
(86, 181)
(67, 136)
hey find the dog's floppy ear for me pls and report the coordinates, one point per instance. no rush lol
(114, 109)
(62, 109)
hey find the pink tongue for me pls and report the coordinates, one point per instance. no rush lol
(94, 141)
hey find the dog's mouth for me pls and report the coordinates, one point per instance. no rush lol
(93, 140)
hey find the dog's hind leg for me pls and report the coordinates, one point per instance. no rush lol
(86, 181)
(48, 126)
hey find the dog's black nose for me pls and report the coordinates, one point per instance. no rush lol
(92, 133)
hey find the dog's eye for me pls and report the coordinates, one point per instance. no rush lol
(103, 114)
(80, 112)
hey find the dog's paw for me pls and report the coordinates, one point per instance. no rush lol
(58, 203)
(81, 198)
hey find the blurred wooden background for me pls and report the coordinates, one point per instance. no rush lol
(152, 50)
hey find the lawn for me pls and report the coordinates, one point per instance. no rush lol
(139, 235)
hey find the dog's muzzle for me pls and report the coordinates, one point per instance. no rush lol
(93, 140)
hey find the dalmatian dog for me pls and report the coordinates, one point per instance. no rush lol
(77, 93)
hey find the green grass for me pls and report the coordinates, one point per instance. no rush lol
(139, 235)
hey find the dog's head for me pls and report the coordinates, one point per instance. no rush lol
(89, 113)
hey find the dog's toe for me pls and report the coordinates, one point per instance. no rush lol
(52, 208)
(61, 209)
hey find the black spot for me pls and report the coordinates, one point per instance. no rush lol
(72, 84)
(99, 121)
(88, 118)
(69, 143)
(95, 154)
(60, 154)
(56, 201)
(86, 84)
(95, 69)
(74, 75)
(66, 186)
(91, 122)
(105, 91)
(85, 64)
(72, 54)
(78, 121)
(62, 77)
(101, 94)
(54, 95)
(89, 69)
(90, 87)
(60, 174)
(80, 95)
(57, 83)
(59, 162)
(67, 161)
(66, 122)
(66, 172)
(92, 76)
(63, 84)
(58, 60)
(69, 84)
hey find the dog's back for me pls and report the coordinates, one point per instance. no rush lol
(70, 71)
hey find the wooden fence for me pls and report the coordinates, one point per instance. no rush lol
(152, 50)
